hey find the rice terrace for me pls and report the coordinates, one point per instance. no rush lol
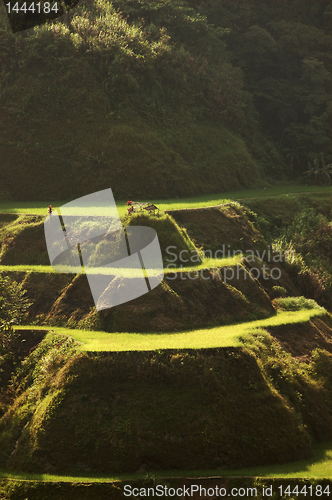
(174, 340)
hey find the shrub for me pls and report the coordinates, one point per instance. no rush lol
(296, 303)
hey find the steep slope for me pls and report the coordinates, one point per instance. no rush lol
(130, 110)
(123, 412)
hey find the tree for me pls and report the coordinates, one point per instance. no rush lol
(319, 174)
(13, 306)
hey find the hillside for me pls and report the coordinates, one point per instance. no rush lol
(226, 364)
(130, 110)
(196, 298)
(168, 99)
(142, 411)
(126, 412)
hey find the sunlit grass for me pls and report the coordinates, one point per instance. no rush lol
(208, 263)
(221, 198)
(319, 466)
(221, 336)
(28, 207)
(68, 478)
(40, 207)
(27, 268)
(226, 197)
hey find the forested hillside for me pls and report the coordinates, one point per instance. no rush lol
(165, 98)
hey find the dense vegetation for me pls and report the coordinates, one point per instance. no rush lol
(300, 227)
(159, 99)
(284, 50)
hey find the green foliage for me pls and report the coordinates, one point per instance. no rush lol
(309, 229)
(75, 413)
(319, 173)
(170, 234)
(156, 95)
(79, 414)
(284, 51)
(138, 61)
(300, 229)
(296, 303)
(13, 306)
(22, 241)
(279, 291)
(160, 84)
(304, 223)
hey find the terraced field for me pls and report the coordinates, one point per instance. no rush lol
(231, 351)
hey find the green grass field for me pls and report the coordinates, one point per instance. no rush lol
(40, 208)
(208, 263)
(320, 466)
(221, 336)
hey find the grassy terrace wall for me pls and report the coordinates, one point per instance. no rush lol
(180, 302)
(22, 237)
(170, 410)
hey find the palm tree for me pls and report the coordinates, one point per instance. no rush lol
(319, 174)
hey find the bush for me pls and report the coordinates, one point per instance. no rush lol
(296, 303)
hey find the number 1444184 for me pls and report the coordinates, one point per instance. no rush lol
(45, 7)
(306, 490)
